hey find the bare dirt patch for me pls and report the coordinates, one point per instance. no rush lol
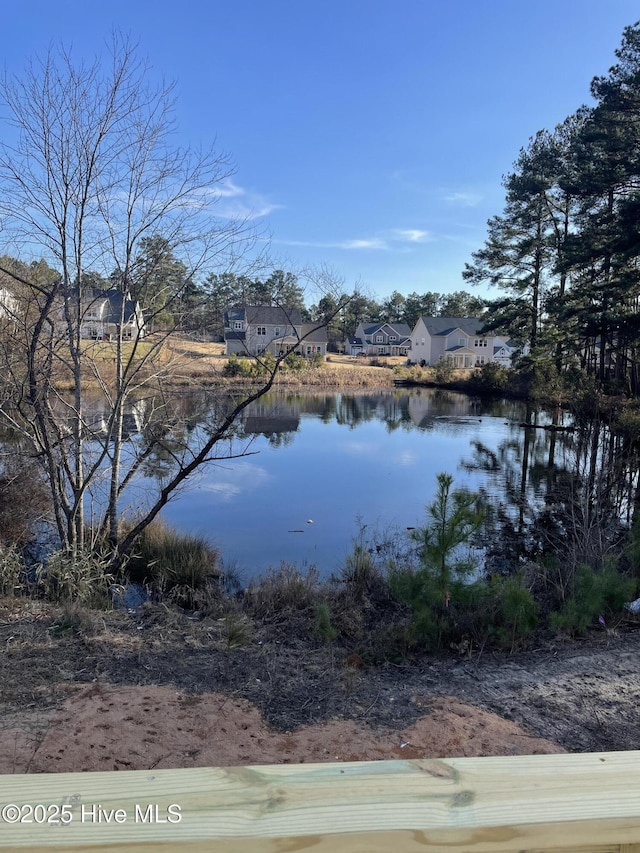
(160, 689)
(136, 728)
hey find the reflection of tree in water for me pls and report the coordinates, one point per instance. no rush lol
(590, 505)
(173, 426)
(569, 495)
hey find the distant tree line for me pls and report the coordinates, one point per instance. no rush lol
(565, 251)
(172, 299)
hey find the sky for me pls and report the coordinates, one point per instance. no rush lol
(367, 136)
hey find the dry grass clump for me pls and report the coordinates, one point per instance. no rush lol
(281, 591)
(80, 579)
(24, 499)
(180, 566)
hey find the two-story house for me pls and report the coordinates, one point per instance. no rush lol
(256, 329)
(104, 314)
(380, 338)
(457, 339)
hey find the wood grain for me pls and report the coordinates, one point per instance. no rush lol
(552, 803)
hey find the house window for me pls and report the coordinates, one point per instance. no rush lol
(462, 342)
(480, 342)
(238, 324)
(392, 337)
(277, 330)
(262, 330)
(379, 339)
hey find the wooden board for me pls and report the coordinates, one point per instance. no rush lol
(588, 802)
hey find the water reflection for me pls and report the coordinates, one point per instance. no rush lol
(372, 458)
(340, 458)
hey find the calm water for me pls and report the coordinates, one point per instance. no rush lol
(322, 465)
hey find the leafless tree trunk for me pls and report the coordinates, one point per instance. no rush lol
(93, 172)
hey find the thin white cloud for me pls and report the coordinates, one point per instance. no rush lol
(228, 189)
(464, 199)
(412, 235)
(395, 239)
(375, 243)
(236, 202)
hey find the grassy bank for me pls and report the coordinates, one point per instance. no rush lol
(206, 364)
(391, 599)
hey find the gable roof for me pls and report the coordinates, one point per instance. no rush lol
(117, 306)
(401, 330)
(269, 315)
(442, 326)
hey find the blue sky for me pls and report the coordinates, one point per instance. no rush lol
(370, 136)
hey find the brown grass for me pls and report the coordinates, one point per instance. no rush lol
(196, 362)
(192, 363)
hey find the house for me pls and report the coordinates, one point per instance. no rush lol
(380, 338)
(256, 329)
(103, 314)
(8, 305)
(504, 351)
(457, 339)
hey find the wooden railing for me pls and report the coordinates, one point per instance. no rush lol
(588, 803)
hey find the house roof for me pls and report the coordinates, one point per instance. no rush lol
(401, 330)
(269, 315)
(442, 326)
(118, 307)
(311, 332)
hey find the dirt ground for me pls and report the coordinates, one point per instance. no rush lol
(110, 691)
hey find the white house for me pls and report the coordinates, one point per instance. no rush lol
(103, 313)
(504, 351)
(8, 305)
(457, 339)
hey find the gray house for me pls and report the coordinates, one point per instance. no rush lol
(256, 329)
(457, 339)
(380, 338)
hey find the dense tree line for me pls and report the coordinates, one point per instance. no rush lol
(565, 250)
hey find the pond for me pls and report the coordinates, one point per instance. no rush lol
(321, 467)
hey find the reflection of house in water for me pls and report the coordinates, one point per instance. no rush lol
(97, 412)
(389, 407)
(425, 408)
(271, 417)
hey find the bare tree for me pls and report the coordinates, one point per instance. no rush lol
(91, 173)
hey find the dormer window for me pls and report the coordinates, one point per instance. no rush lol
(379, 339)
(238, 325)
(462, 342)
(392, 337)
